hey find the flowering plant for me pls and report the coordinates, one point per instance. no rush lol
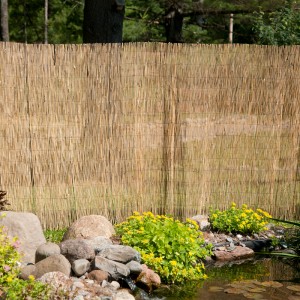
(171, 248)
(13, 287)
(243, 220)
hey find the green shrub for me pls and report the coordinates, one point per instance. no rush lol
(239, 220)
(10, 284)
(171, 248)
(54, 236)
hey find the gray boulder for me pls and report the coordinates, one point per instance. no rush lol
(27, 227)
(134, 267)
(80, 266)
(27, 271)
(53, 263)
(99, 243)
(113, 268)
(120, 253)
(89, 227)
(76, 249)
(202, 221)
(46, 250)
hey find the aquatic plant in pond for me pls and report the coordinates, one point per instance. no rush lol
(239, 220)
(291, 237)
(171, 248)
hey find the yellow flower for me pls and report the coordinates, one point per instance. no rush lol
(31, 277)
(173, 262)
(9, 279)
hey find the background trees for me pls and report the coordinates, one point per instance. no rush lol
(198, 21)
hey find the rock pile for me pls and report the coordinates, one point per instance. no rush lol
(86, 264)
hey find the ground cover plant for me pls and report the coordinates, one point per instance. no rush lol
(239, 220)
(172, 248)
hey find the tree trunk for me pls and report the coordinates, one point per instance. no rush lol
(4, 21)
(103, 21)
(173, 24)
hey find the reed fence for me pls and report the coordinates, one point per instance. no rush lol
(176, 129)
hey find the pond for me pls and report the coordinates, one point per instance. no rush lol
(260, 278)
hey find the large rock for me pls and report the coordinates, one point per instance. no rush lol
(237, 253)
(76, 249)
(89, 227)
(120, 253)
(46, 250)
(53, 263)
(99, 243)
(58, 281)
(28, 229)
(148, 279)
(98, 276)
(113, 268)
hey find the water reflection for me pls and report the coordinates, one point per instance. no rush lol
(253, 279)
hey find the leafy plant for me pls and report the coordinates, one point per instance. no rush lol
(171, 248)
(242, 220)
(54, 236)
(281, 27)
(291, 236)
(13, 287)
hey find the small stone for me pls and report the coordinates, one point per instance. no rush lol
(80, 266)
(240, 237)
(124, 295)
(77, 285)
(79, 297)
(115, 285)
(229, 239)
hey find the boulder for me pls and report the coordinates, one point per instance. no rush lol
(76, 249)
(134, 267)
(46, 250)
(89, 227)
(58, 281)
(80, 266)
(113, 268)
(53, 263)
(98, 275)
(99, 243)
(27, 271)
(148, 279)
(28, 229)
(202, 221)
(238, 252)
(120, 253)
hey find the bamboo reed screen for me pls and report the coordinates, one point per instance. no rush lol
(176, 129)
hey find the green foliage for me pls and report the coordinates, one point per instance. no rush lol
(281, 27)
(292, 234)
(171, 248)
(242, 220)
(13, 287)
(54, 236)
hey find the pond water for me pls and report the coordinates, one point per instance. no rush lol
(261, 278)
